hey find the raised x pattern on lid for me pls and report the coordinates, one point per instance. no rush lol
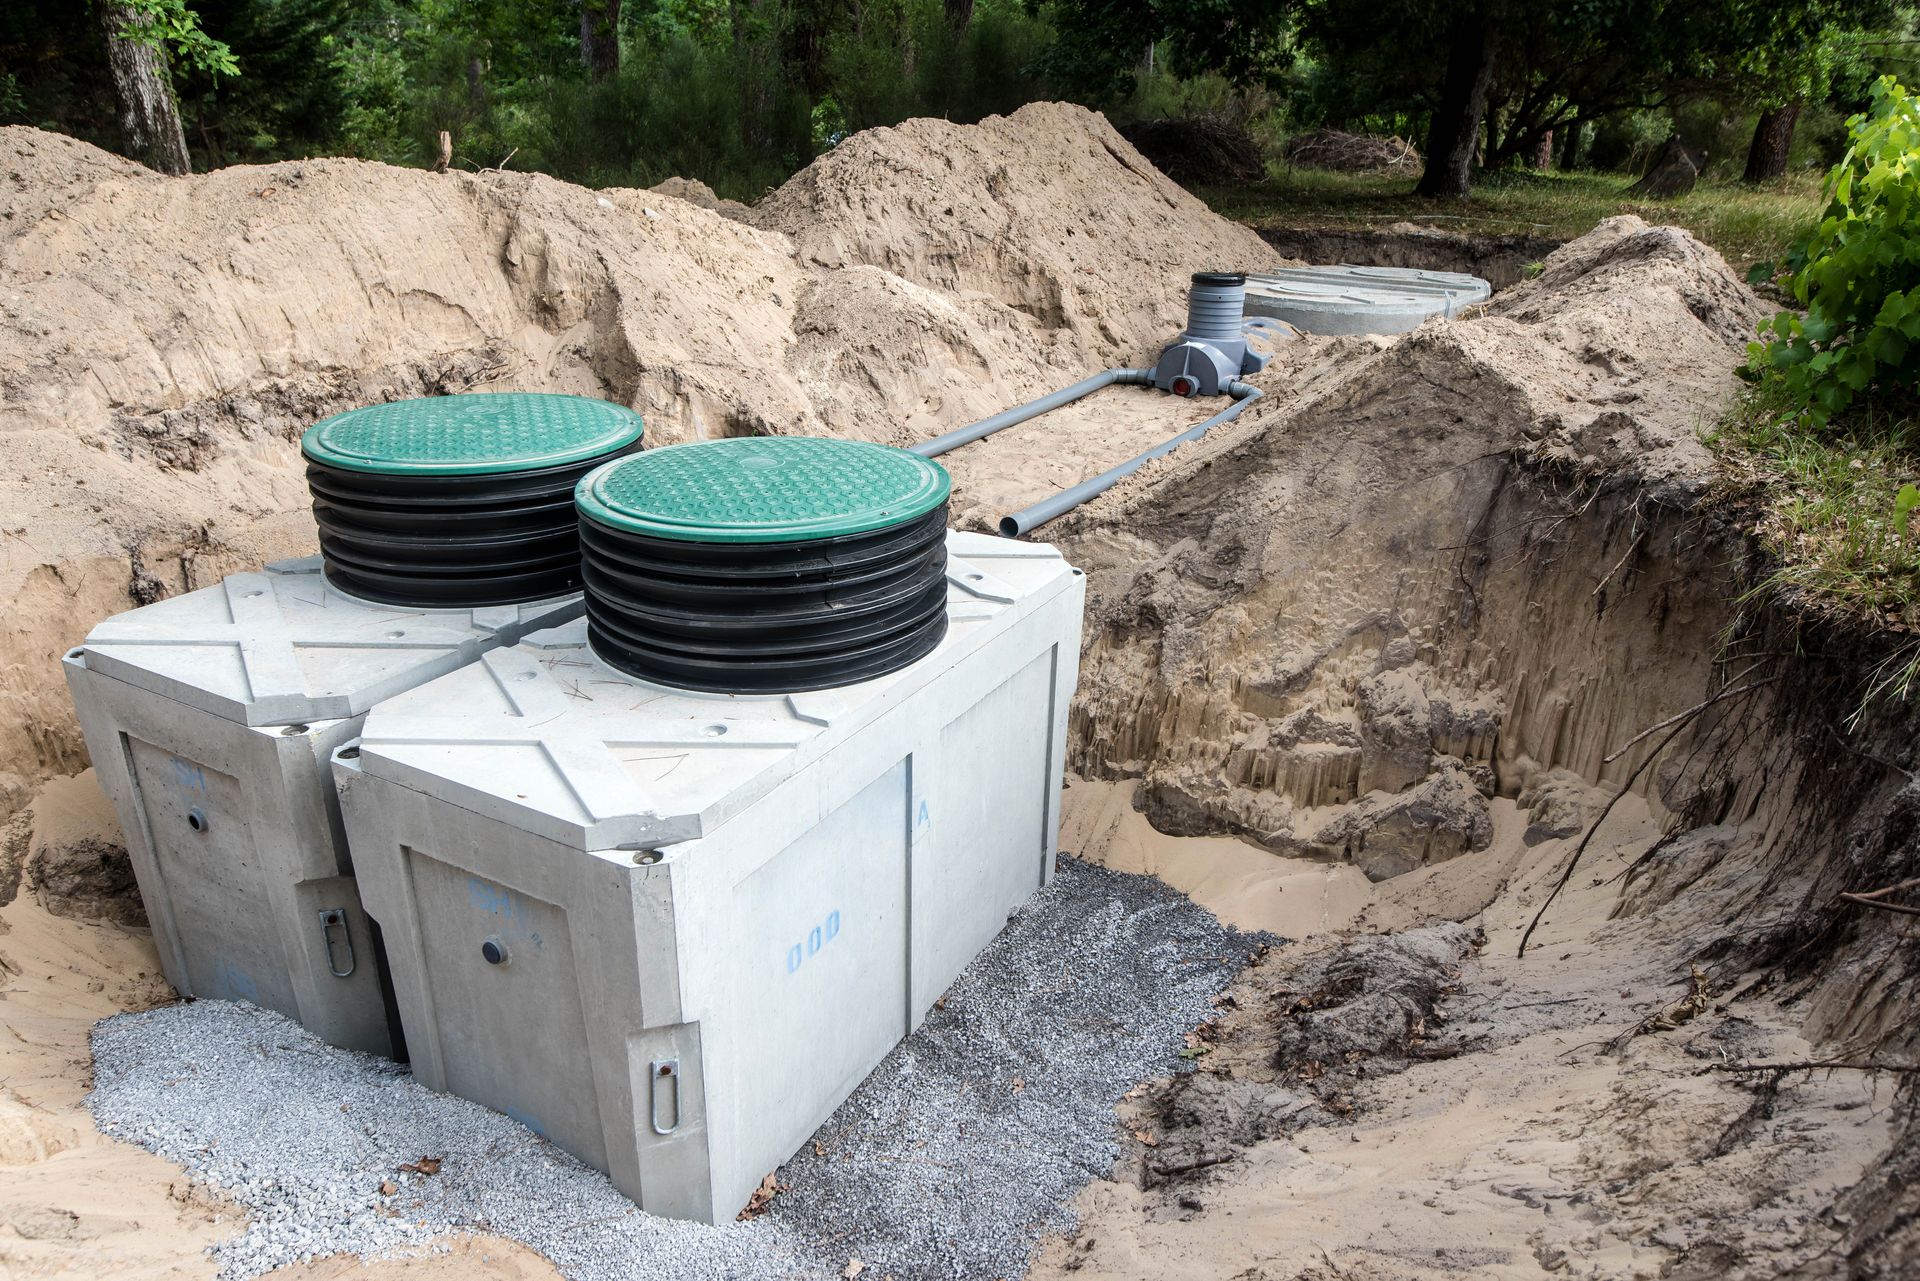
(763, 489)
(472, 434)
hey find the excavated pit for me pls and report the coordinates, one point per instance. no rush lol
(1501, 258)
(1363, 668)
(1465, 620)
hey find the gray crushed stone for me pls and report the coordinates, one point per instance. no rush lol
(304, 1135)
(968, 1141)
(961, 1149)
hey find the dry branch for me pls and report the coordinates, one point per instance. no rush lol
(1695, 710)
(1874, 898)
(1587, 838)
(1351, 152)
(1808, 1065)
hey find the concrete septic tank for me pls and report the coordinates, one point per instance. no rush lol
(672, 930)
(211, 716)
(1361, 300)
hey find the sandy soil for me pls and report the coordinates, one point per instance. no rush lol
(73, 1204)
(1022, 464)
(1245, 886)
(1492, 1162)
(1537, 1153)
(1362, 662)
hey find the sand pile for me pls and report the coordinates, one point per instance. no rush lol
(166, 340)
(1343, 625)
(1371, 658)
(1047, 212)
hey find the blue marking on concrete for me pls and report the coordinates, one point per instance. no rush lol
(532, 1123)
(238, 983)
(817, 937)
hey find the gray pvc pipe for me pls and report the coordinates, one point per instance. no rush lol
(1066, 500)
(1032, 409)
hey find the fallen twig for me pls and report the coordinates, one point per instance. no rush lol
(1188, 1167)
(1874, 898)
(1632, 547)
(1697, 1001)
(1808, 1065)
(1628, 746)
(1679, 723)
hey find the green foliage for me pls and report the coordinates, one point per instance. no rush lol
(1101, 44)
(291, 99)
(174, 29)
(1834, 504)
(1857, 272)
(1903, 504)
(679, 107)
(740, 92)
(1625, 140)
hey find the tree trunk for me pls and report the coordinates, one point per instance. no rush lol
(1571, 134)
(600, 38)
(1542, 158)
(1455, 126)
(959, 15)
(1772, 139)
(1674, 170)
(149, 117)
(753, 63)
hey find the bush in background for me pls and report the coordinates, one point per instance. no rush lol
(1857, 273)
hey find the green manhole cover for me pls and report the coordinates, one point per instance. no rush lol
(763, 489)
(475, 434)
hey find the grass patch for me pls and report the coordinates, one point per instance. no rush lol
(1826, 504)
(1746, 224)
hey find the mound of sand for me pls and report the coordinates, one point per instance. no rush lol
(1048, 212)
(166, 340)
(1343, 624)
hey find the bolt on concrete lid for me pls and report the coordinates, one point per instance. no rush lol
(472, 434)
(762, 489)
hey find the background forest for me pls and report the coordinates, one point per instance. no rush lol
(740, 93)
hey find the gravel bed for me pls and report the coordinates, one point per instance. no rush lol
(950, 1160)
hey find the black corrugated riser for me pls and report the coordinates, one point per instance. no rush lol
(775, 616)
(451, 542)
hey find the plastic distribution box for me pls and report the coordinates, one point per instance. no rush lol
(210, 718)
(671, 931)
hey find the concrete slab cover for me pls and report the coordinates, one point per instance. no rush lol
(283, 647)
(547, 738)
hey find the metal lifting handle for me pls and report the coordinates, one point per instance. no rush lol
(330, 917)
(663, 1075)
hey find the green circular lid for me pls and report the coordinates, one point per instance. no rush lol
(762, 489)
(472, 434)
